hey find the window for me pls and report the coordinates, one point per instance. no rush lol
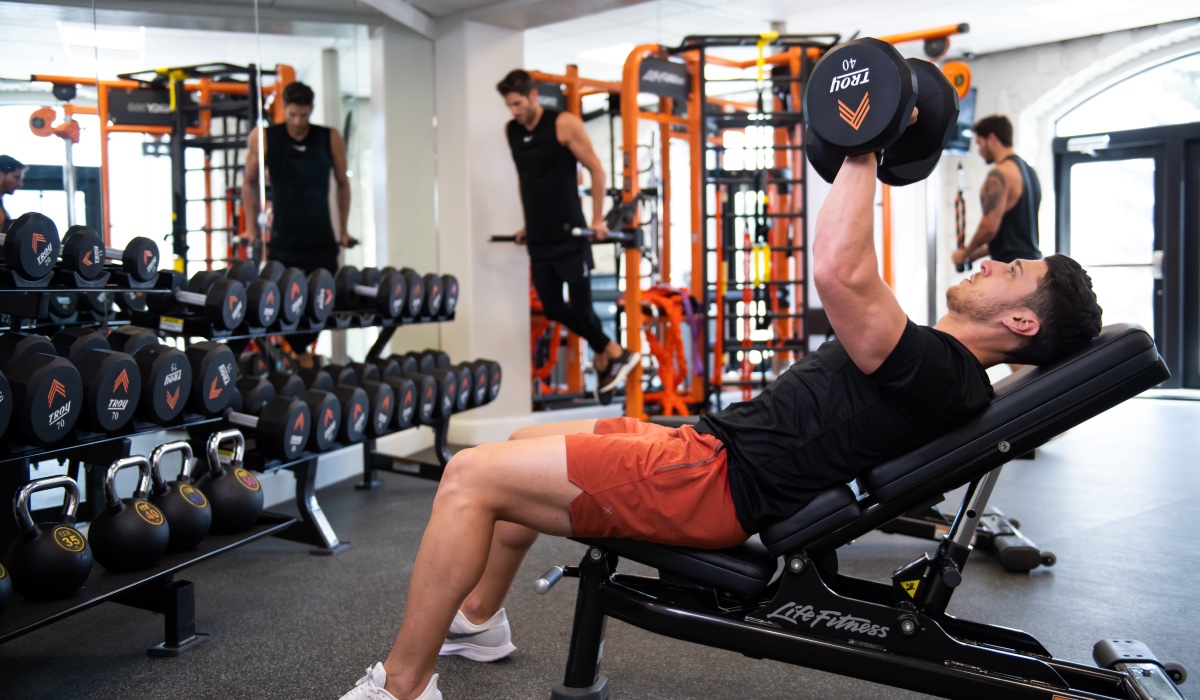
(1168, 93)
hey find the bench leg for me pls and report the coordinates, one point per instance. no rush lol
(583, 680)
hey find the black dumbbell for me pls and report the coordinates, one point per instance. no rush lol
(355, 402)
(235, 495)
(129, 533)
(83, 252)
(186, 508)
(447, 391)
(387, 366)
(46, 389)
(449, 294)
(408, 363)
(324, 407)
(95, 302)
(62, 305)
(389, 291)
(253, 364)
(6, 403)
(223, 299)
(31, 246)
(430, 299)
(379, 400)
(472, 386)
(139, 257)
(262, 295)
(494, 375)
(48, 560)
(112, 384)
(322, 295)
(860, 98)
(439, 358)
(415, 285)
(166, 373)
(281, 425)
(290, 281)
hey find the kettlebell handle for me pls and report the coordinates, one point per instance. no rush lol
(214, 443)
(185, 472)
(21, 502)
(110, 479)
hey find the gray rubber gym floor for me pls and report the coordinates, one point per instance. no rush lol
(1116, 499)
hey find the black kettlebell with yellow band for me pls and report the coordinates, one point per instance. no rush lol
(185, 506)
(51, 560)
(131, 533)
(235, 494)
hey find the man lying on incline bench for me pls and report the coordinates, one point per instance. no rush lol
(882, 388)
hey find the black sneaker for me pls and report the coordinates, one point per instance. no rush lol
(608, 379)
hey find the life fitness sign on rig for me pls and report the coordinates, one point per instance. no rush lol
(663, 78)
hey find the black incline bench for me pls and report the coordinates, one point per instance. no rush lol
(899, 634)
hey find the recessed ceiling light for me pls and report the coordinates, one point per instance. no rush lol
(615, 54)
(1067, 10)
(124, 38)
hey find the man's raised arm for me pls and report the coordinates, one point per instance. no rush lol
(861, 308)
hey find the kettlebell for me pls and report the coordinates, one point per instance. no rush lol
(185, 506)
(51, 560)
(131, 533)
(5, 588)
(235, 495)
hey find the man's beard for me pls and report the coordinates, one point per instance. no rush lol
(960, 301)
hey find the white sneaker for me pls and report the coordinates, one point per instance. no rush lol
(487, 642)
(370, 687)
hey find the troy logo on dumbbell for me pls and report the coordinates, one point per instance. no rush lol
(862, 76)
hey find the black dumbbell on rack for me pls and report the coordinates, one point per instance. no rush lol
(112, 383)
(263, 295)
(31, 248)
(222, 300)
(388, 292)
(47, 392)
(84, 252)
(281, 425)
(378, 397)
(201, 378)
(326, 409)
(415, 287)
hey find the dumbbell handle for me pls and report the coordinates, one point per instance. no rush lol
(193, 298)
(243, 419)
(113, 253)
(364, 290)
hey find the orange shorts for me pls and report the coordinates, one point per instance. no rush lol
(650, 482)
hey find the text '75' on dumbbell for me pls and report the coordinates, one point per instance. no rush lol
(281, 425)
(46, 389)
(223, 300)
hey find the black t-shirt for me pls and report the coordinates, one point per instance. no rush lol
(548, 173)
(823, 421)
(300, 173)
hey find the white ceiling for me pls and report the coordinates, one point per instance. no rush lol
(294, 31)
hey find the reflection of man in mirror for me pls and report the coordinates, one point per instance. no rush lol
(12, 178)
(1009, 199)
(303, 161)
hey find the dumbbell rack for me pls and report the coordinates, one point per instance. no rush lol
(155, 589)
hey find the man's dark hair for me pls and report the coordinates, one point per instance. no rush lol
(997, 124)
(517, 81)
(298, 94)
(1067, 311)
(9, 164)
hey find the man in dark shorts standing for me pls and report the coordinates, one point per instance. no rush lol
(547, 148)
(302, 161)
(12, 178)
(1010, 199)
(885, 386)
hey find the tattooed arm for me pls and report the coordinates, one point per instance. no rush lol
(993, 200)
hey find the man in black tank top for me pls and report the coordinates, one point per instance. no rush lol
(301, 159)
(12, 178)
(884, 387)
(1010, 199)
(547, 147)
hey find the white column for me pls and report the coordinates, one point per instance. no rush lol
(477, 197)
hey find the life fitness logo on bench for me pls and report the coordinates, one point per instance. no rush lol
(798, 614)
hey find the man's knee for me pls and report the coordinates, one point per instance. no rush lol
(462, 478)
